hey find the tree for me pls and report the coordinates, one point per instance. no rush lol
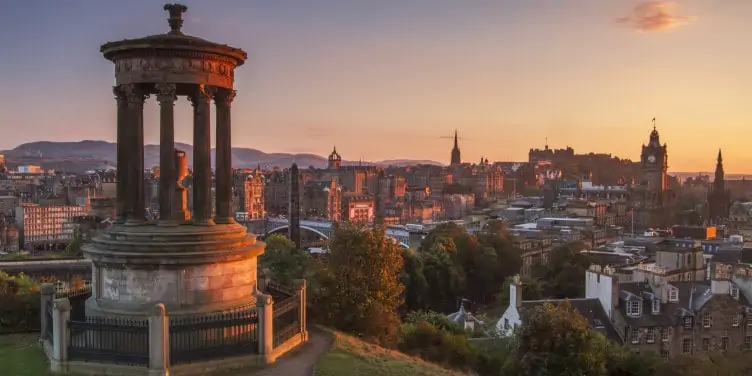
(413, 278)
(562, 274)
(531, 290)
(284, 260)
(556, 340)
(361, 289)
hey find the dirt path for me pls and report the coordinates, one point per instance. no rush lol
(301, 361)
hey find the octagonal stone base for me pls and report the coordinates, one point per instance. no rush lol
(189, 269)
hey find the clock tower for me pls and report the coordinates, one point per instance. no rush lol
(654, 160)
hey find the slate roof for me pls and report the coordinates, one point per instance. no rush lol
(692, 297)
(591, 309)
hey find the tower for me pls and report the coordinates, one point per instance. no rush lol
(654, 160)
(335, 160)
(719, 198)
(293, 230)
(456, 160)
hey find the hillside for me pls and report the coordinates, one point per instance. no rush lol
(351, 356)
(90, 155)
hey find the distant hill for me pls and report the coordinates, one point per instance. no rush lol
(89, 154)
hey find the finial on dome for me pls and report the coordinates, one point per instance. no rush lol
(176, 17)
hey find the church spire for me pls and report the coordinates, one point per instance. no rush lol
(456, 159)
(719, 174)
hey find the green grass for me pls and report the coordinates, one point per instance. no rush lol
(20, 355)
(351, 356)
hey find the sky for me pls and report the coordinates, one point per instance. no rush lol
(386, 79)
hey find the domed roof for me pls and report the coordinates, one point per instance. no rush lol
(334, 156)
(175, 39)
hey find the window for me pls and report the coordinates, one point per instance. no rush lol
(650, 337)
(687, 322)
(749, 320)
(633, 308)
(665, 354)
(724, 343)
(506, 324)
(706, 320)
(687, 345)
(635, 335)
(734, 292)
(735, 320)
(665, 334)
(748, 343)
(706, 344)
(656, 306)
(673, 294)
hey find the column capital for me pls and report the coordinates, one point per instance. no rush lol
(166, 93)
(202, 94)
(225, 97)
(134, 93)
(119, 94)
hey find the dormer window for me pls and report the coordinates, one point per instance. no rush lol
(634, 308)
(673, 294)
(734, 291)
(656, 305)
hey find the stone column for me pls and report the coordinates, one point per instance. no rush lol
(202, 174)
(60, 335)
(121, 155)
(265, 330)
(159, 350)
(134, 147)
(223, 175)
(167, 168)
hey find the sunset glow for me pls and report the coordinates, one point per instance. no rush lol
(394, 79)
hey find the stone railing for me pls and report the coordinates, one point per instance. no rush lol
(158, 344)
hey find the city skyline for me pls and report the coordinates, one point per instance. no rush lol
(375, 79)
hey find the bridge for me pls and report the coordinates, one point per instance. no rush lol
(323, 228)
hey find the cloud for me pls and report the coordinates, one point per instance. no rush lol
(318, 132)
(654, 16)
(460, 138)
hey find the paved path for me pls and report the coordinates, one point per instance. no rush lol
(300, 362)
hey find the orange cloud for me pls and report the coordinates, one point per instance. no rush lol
(654, 16)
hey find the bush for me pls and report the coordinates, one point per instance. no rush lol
(436, 319)
(425, 340)
(20, 304)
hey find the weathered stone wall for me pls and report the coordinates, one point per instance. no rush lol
(181, 286)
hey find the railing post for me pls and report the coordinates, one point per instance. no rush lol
(159, 336)
(48, 293)
(265, 311)
(301, 287)
(60, 334)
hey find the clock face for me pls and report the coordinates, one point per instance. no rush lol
(651, 158)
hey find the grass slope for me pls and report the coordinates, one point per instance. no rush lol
(351, 356)
(21, 356)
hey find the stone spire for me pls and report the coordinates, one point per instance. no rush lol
(293, 229)
(720, 176)
(456, 158)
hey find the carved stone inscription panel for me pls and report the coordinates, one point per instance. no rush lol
(187, 70)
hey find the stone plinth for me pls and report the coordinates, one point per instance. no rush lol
(189, 269)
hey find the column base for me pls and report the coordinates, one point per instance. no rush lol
(203, 222)
(167, 223)
(135, 222)
(224, 220)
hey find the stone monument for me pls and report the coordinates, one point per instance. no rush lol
(195, 264)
